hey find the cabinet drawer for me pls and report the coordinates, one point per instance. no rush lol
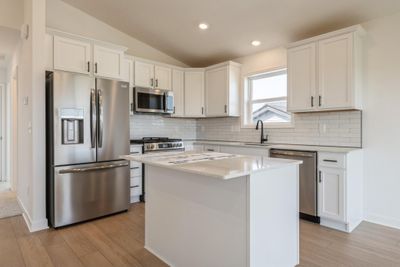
(136, 191)
(333, 160)
(135, 164)
(137, 171)
(211, 148)
(136, 150)
(136, 182)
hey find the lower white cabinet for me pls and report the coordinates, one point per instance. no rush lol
(136, 175)
(331, 193)
(340, 189)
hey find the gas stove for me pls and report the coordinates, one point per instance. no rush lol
(159, 144)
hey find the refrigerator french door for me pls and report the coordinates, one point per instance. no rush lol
(87, 130)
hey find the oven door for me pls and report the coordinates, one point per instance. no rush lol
(149, 100)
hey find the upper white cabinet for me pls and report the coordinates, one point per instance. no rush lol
(72, 55)
(150, 75)
(194, 93)
(144, 74)
(108, 62)
(222, 85)
(301, 78)
(324, 72)
(178, 87)
(162, 77)
(76, 54)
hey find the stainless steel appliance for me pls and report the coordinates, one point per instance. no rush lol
(87, 123)
(157, 145)
(307, 180)
(153, 100)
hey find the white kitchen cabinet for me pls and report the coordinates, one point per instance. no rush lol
(301, 78)
(222, 85)
(335, 76)
(72, 55)
(178, 87)
(324, 72)
(331, 193)
(148, 74)
(162, 77)
(144, 74)
(194, 93)
(108, 62)
(127, 76)
(340, 189)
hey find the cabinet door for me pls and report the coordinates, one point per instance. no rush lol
(335, 64)
(144, 74)
(72, 55)
(127, 76)
(108, 62)
(217, 92)
(302, 78)
(178, 89)
(162, 77)
(194, 93)
(331, 193)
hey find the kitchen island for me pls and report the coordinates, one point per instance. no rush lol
(215, 209)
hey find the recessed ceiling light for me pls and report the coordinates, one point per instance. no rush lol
(255, 43)
(203, 26)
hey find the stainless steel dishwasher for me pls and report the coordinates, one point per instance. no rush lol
(307, 180)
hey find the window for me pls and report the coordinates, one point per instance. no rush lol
(267, 99)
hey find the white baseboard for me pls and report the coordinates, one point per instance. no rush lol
(32, 225)
(383, 220)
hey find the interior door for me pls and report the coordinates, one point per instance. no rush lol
(113, 119)
(71, 96)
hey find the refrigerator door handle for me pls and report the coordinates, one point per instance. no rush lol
(93, 116)
(89, 169)
(101, 120)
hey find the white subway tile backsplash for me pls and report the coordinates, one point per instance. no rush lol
(328, 128)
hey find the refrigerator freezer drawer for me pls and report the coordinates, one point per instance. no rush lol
(84, 192)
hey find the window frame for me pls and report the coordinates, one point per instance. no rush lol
(248, 102)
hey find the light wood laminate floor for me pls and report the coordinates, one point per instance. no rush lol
(118, 241)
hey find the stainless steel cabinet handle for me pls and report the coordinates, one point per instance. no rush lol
(211, 150)
(202, 110)
(101, 121)
(226, 109)
(99, 168)
(135, 168)
(312, 101)
(174, 110)
(156, 82)
(88, 66)
(320, 176)
(298, 154)
(330, 160)
(135, 153)
(135, 186)
(93, 117)
(319, 100)
(151, 82)
(95, 67)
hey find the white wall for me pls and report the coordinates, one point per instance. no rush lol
(67, 18)
(10, 13)
(381, 131)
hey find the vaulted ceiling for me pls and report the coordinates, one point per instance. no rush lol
(171, 25)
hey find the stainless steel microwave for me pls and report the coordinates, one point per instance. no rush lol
(151, 100)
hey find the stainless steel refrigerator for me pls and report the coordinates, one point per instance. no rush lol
(87, 121)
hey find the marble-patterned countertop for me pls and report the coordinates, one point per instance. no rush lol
(218, 165)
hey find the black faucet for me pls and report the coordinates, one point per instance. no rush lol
(262, 131)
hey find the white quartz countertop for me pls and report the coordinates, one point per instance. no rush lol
(279, 146)
(218, 165)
